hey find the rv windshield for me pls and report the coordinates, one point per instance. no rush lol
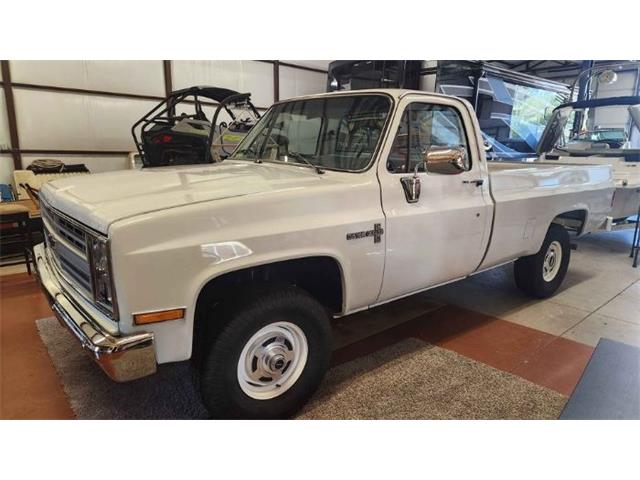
(336, 133)
(517, 117)
(512, 109)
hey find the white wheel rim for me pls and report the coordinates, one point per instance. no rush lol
(272, 360)
(552, 261)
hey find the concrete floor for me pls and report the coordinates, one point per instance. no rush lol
(600, 296)
(485, 318)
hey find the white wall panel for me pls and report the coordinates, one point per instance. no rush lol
(623, 86)
(295, 82)
(240, 75)
(428, 82)
(111, 121)
(6, 169)
(610, 117)
(615, 117)
(320, 64)
(4, 124)
(67, 121)
(144, 77)
(95, 163)
(50, 120)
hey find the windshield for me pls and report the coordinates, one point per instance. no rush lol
(602, 136)
(596, 128)
(512, 116)
(337, 133)
(518, 116)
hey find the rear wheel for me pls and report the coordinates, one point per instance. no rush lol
(541, 274)
(270, 356)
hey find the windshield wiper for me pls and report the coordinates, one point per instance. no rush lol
(300, 156)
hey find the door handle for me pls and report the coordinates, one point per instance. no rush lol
(411, 187)
(478, 182)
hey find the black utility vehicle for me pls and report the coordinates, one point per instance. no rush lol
(178, 130)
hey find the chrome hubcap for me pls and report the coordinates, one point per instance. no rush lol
(552, 261)
(272, 360)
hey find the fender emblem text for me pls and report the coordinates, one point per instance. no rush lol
(376, 233)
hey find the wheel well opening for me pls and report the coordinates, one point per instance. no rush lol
(573, 221)
(321, 277)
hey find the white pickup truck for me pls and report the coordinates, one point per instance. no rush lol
(332, 204)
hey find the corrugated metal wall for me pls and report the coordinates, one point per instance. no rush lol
(81, 111)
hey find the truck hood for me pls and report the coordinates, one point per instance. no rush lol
(98, 200)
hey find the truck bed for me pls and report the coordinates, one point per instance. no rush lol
(541, 179)
(626, 175)
(528, 196)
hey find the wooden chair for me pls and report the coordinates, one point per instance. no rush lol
(17, 217)
(33, 193)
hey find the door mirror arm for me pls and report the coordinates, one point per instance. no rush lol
(440, 160)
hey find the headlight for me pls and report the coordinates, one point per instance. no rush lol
(100, 273)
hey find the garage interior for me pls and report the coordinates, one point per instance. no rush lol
(477, 348)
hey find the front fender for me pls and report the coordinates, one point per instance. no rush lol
(226, 266)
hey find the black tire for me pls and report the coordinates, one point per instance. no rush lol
(243, 317)
(529, 271)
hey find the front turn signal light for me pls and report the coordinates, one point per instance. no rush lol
(161, 316)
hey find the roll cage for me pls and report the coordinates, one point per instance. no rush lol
(163, 136)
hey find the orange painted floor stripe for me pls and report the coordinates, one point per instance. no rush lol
(29, 386)
(558, 365)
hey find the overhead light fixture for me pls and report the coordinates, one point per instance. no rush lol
(607, 77)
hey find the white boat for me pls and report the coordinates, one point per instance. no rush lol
(575, 135)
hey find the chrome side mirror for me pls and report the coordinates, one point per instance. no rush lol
(445, 160)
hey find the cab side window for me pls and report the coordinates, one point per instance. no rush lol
(422, 126)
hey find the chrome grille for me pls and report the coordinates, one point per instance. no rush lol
(73, 234)
(76, 271)
(66, 242)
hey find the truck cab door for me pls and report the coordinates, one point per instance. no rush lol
(443, 234)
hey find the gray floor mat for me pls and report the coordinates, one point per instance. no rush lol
(610, 385)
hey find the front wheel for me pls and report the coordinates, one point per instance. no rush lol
(269, 358)
(540, 275)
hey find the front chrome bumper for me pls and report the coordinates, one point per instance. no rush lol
(122, 358)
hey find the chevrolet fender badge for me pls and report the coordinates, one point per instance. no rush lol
(376, 233)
